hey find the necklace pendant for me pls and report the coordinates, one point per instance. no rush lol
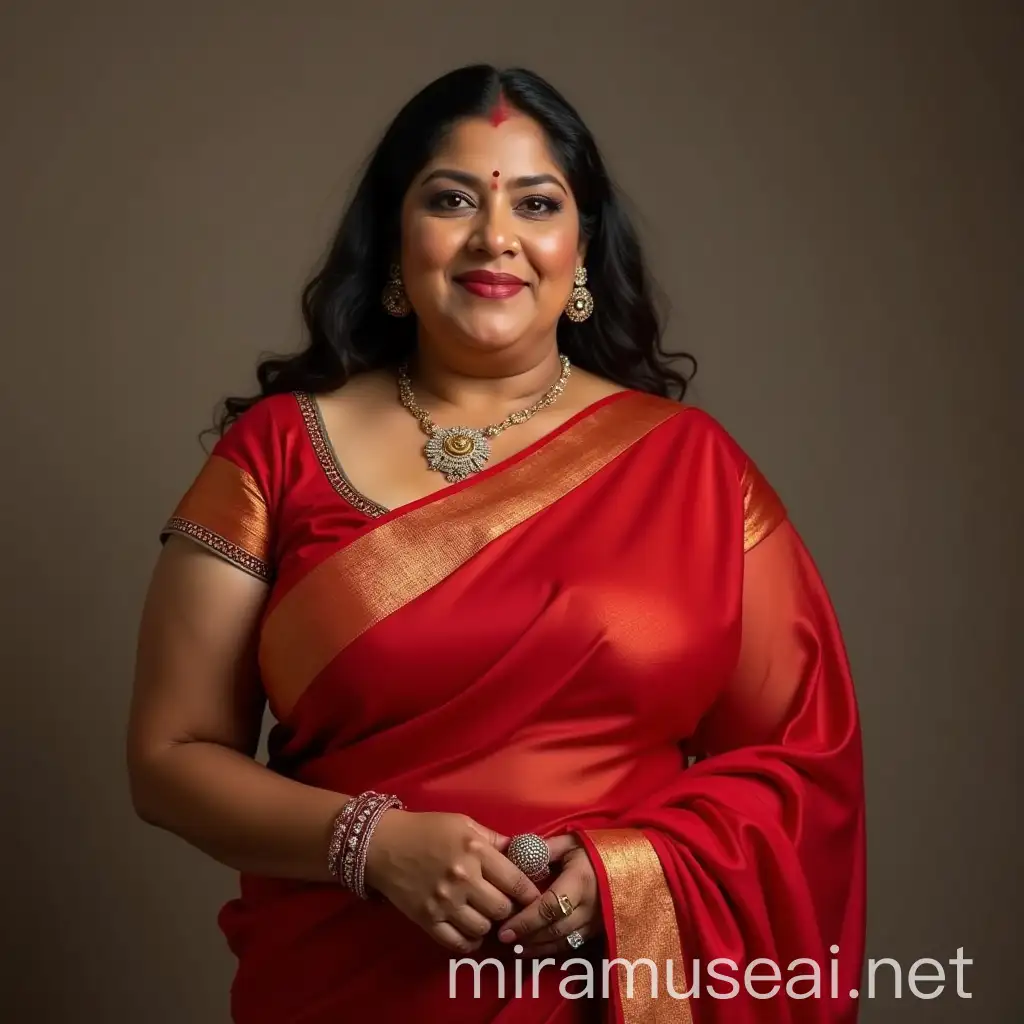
(457, 452)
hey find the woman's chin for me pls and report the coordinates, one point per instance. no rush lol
(492, 333)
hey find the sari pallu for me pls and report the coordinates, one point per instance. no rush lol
(547, 647)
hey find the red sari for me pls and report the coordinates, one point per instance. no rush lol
(615, 632)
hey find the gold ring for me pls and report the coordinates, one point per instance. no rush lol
(565, 905)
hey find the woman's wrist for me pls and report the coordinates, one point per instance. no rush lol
(353, 836)
(378, 855)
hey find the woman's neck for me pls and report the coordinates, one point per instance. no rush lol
(486, 387)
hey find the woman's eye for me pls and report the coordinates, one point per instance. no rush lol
(450, 201)
(539, 205)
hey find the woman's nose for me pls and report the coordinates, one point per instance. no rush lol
(496, 230)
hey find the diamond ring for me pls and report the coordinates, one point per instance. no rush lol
(574, 939)
(530, 854)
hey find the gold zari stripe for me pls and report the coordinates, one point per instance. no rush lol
(645, 929)
(396, 561)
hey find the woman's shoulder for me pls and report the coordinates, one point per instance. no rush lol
(257, 438)
(696, 426)
(265, 413)
(269, 421)
(708, 449)
(763, 508)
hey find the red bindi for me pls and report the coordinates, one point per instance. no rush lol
(495, 175)
(501, 111)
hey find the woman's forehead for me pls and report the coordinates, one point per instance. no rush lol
(516, 147)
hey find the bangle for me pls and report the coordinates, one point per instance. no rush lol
(350, 838)
(338, 830)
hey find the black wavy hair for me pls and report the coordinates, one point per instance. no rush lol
(348, 328)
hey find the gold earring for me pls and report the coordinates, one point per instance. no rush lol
(581, 302)
(395, 301)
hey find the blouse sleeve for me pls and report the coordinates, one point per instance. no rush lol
(228, 507)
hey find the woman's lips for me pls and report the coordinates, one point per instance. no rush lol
(491, 286)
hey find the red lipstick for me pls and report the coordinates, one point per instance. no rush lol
(489, 285)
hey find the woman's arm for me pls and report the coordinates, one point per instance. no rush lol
(197, 709)
(195, 724)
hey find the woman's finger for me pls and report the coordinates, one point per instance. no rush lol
(547, 911)
(559, 846)
(453, 939)
(497, 840)
(559, 947)
(579, 918)
(504, 875)
(490, 901)
(473, 925)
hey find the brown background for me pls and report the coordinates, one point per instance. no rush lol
(830, 193)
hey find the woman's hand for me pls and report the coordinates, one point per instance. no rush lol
(543, 925)
(446, 873)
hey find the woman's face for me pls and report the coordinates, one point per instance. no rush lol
(491, 202)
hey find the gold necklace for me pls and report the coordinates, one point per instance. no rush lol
(458, 452)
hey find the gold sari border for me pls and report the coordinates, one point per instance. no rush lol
(762, 508)
(408, 553)
(644, 927)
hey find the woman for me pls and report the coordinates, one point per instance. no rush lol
(584, 617)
